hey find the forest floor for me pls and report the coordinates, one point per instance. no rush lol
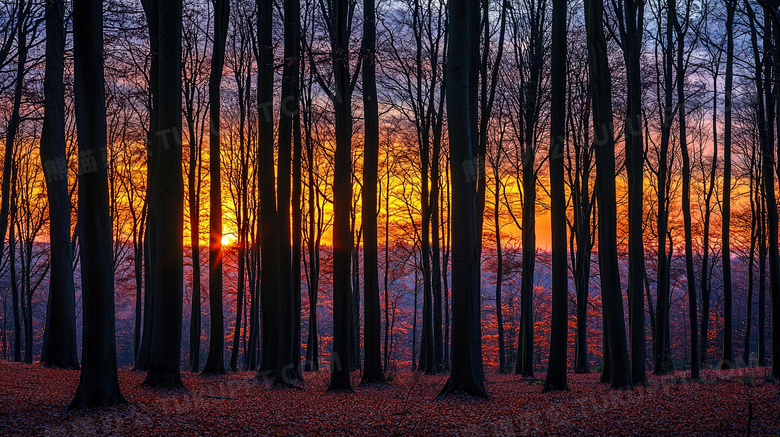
(33, 401)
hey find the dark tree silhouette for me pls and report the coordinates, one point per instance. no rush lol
(164, 352)
(22, 13)
(99, 382)
(727, 359)
(558, 362)
(341, 14)
(151, 12)
(768, 163)
(612, 302)
(269, 226)
(287, 364)
(466, 363)
(661, 346)
(680, 30)
(59, 341)
(215, 362)
(530, 114)
(372, 355)
(631, 25)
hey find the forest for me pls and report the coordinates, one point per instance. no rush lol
(391, 216)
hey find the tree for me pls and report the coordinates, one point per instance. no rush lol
(768, 163)
(680, 30)
(661, 347)
(287, 363)
(268, 223)
(59, 344)
(601, 86)
(579, 173)
(22, 11)
(151, 12)
(556, 371)
(531, 108)
(465, 365)
(372, 356)
(195, 113)
(168, 275)
(99, 381)
(727, 359)
(340, 15)
(631, 25)
(215, 361)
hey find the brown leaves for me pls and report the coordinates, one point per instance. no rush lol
(34, 398)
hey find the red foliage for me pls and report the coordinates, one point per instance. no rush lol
(34, 401)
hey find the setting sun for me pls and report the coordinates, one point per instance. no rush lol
(228, 239)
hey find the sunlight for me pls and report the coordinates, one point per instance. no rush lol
(228, 239)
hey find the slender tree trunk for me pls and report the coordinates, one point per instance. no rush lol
(286, 365)
(215, 363)
(15, 119)
(59, 342)
(558, 362)
(705, 261)
(466, 364)
(342, 198)
(751, 260)
(502, 366)
(762, 255)
(583, 214)
(525, 354)
(297, 252)
(620, 376)
(633, 20)
(372, 358)
(387, 260)
(164, 360)
(686, 198)
(15, 298)
(727, 359)
(194, 204)
(99, 382)
(151, 11)
(768, 164)
(270, 286)
(770, 77)
(661, 348)
(312, 345)
(436, 277)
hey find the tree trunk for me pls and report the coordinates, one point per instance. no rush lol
(315, 219)
(727, 359)
(558, 362)
(286, 365)
(99, 382)
(15, 119)
(525, 354)
(164, 360)
(466, 365)
(633, 20)
(215, 363)
(59, 343)
(151, 11)
(342, 198)
(372, 355)
(768, 164)
(270, 286)
(620, 376)
(660, 345)
(686, 200)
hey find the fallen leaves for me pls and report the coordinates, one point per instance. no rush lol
(33, 401)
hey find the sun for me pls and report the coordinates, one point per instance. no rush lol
(228, 239)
